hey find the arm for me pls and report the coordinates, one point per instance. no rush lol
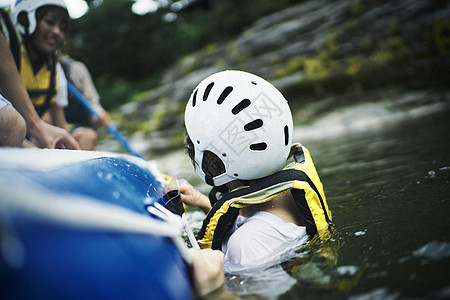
(189, 194)
(57, 116)
(82, 79)
(104, 119)
(207, 270)
(43, 134)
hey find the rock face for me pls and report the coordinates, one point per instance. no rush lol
(332, 50)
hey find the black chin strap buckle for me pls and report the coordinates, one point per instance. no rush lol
(299, 155)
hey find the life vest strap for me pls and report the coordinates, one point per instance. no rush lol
(49, 92)
(300, 200)
(295, 177)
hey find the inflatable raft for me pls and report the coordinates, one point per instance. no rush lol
(75, 225)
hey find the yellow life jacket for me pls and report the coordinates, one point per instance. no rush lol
(42, 85)
(300, 177)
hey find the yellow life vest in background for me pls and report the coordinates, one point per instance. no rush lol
(299, 177)
(41, 86)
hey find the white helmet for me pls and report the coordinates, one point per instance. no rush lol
(30, 7)
(244, 121)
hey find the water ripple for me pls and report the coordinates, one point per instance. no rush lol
(434, 250)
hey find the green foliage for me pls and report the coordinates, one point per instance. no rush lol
(295, 64)
(354, 66)
(127, 124)
(123, 49)
(441, 38)
(357, 8)
(157, 117)
(114, 92)
(388, 51)
(392, 29)
(366, 43)
(315, 69)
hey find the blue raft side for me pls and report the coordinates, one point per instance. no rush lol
(63, 262)
(107, 179)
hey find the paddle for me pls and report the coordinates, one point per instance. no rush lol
(111, 129)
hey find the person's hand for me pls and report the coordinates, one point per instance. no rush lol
(189, 195)
(207, 269)
(45, 135)
(103, 118)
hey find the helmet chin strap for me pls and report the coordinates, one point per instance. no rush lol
(209, 180)
(212, 181)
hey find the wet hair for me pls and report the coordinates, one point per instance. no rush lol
(189, 147)
(212, 165)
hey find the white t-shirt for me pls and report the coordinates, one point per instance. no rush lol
(259, 239)
(61, 94)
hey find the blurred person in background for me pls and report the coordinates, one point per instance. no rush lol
(82, 130)
(42, 25)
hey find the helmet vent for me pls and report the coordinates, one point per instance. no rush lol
(258, 147)
(212, 165)
(224, 94)
(253, 125)
(240, 106)
(207, 91)
(194, 98)
(286, 135)
(254, 82)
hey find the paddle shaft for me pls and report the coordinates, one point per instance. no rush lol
(111, 128)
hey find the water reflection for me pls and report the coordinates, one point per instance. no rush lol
(392, 185)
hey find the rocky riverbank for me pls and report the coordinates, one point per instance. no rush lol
(339, 63)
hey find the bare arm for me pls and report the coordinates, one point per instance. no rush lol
(104, 118)
(207, 269)
(11, 85)
(57, 116)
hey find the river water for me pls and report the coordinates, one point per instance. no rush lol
(389, 193)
